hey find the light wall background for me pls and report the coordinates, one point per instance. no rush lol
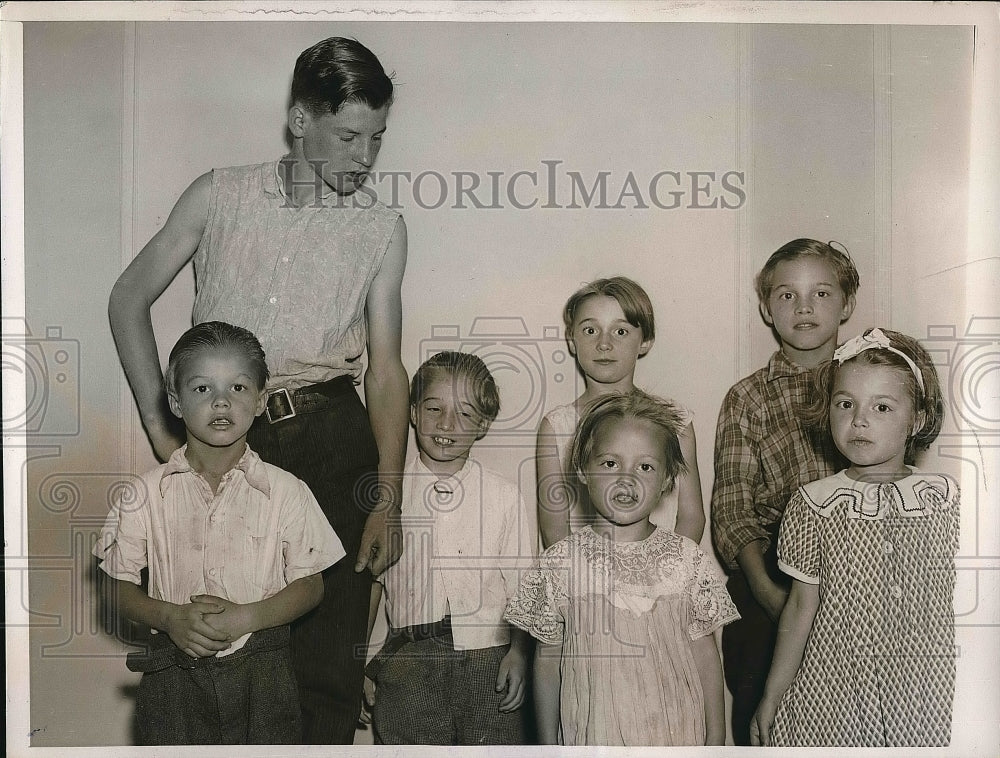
(858, 134)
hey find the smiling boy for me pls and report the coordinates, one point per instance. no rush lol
(234, 547)
(452, 671)
(763, 453)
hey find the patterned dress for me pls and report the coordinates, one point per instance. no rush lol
(879, 664)
(625, 615)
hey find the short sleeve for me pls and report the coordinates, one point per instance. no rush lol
(711, 606)
(537, 606)
(309, 543)
(799, 541)
(123, 542)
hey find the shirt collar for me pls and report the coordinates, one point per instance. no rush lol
(274, 183)
(453, 483)
(780, 366)
(250, 464)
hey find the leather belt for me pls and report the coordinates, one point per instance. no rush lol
(162, 653)
(283, 403)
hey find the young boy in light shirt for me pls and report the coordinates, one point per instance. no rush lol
(234, 547)
(452, 671)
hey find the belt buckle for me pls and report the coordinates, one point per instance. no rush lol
(285, 408)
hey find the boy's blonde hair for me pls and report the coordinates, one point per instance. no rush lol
(467, 365)
(843, 266)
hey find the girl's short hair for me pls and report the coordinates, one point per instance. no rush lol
(466, 365)
(843, 266)
(336, 71)
(930, 401)
(633, 404)
(216, 335)
(631, 297)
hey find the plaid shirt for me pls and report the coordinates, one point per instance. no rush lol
(762, 455)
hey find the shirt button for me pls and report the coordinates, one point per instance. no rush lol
(887, 547)
(284, 259)
(212, 572)
(272, 300)
(213, 518)
(896, 591)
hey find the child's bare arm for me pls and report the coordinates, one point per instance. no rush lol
(554, 495)
(387, 398)
(185, 624)
(368, 692)
(690, 506)
(793, 632)
(137, 289)
(768, 593)
(283, 607)
(512, 676)
(706, 658)
(546, 690)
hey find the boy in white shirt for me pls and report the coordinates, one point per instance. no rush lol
(452, 671)
(234, 547)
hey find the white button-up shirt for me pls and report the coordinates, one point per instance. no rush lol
(260, 532)
(466, 539)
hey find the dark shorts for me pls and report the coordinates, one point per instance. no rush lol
(428, 693)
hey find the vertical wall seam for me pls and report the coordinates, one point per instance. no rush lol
(127, 159)
(745, 246)
(882, 206)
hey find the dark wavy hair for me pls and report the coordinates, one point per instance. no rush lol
(337, 71)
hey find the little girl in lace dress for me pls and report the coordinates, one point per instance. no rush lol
(624, 611)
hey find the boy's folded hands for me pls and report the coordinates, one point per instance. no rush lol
(189, 630)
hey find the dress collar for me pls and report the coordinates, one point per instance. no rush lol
(918, 494)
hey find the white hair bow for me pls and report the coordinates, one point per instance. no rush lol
(871, 340)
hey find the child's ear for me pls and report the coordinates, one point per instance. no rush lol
(848, 308)
(481, 428)
(919, 419)
(571, 345)
(175, 406)
(644, 346)
(765, 313)
(413, 416)
(261, 403)
(296, 120)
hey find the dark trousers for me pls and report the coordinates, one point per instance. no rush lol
(748, 647)
(330, 446)
(245, 698)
